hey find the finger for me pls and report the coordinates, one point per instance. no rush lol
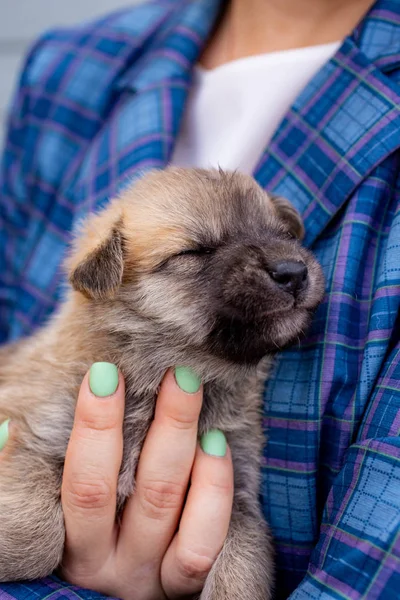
(205, 520)
(11, 433)
(4, 433)
(151, 516)
(91, 469)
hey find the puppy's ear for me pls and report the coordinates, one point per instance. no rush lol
(96, 264)
(289, 216)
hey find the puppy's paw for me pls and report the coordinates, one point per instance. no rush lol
(241, 587)
(31, 544)
(31, 520)
(243, 569)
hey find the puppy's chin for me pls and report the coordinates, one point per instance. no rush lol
(244, 342)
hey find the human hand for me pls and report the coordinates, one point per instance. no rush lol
(146, 557)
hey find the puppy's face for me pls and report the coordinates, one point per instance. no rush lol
(208, 257)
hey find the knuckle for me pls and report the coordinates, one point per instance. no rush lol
(89, 495)
(159, 498)
(97, 422)
(192, 565)
(222, 487)
(182, 421)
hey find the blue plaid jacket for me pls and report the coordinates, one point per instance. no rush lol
(102, 102)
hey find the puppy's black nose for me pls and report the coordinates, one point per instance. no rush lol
(290, 275)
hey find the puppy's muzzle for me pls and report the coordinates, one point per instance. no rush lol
(262, 280)
(266, 291)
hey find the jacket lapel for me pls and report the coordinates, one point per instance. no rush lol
(139, 134)
(344, 123)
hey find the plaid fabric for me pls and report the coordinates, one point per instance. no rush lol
(51, 588)
(103, 102)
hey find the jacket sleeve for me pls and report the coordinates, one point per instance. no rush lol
(46, 589)
(15, 176)
(358, 552)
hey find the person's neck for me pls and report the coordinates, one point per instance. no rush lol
(251, 27)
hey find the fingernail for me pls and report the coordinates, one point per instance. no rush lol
(213, 443)
(188, 381)
(103, 379)
(4, 433)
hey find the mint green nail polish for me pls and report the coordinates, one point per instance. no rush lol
(214, 443)
(4, 433)
(103, 379)
(188, 381)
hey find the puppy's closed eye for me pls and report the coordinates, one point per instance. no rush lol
(198, 251)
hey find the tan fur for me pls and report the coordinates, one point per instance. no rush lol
(136, 301)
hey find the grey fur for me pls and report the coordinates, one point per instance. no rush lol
(146, 317)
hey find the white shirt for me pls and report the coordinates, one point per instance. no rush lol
(234, 110)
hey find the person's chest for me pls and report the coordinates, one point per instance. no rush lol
(341, 178)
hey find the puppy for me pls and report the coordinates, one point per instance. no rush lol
(187, 267)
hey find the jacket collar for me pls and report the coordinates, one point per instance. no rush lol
(378, 35)
(343, 125)
(164, 60)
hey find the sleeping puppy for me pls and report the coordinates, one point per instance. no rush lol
(187, 267)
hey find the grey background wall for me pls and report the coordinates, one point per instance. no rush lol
(21, 21)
